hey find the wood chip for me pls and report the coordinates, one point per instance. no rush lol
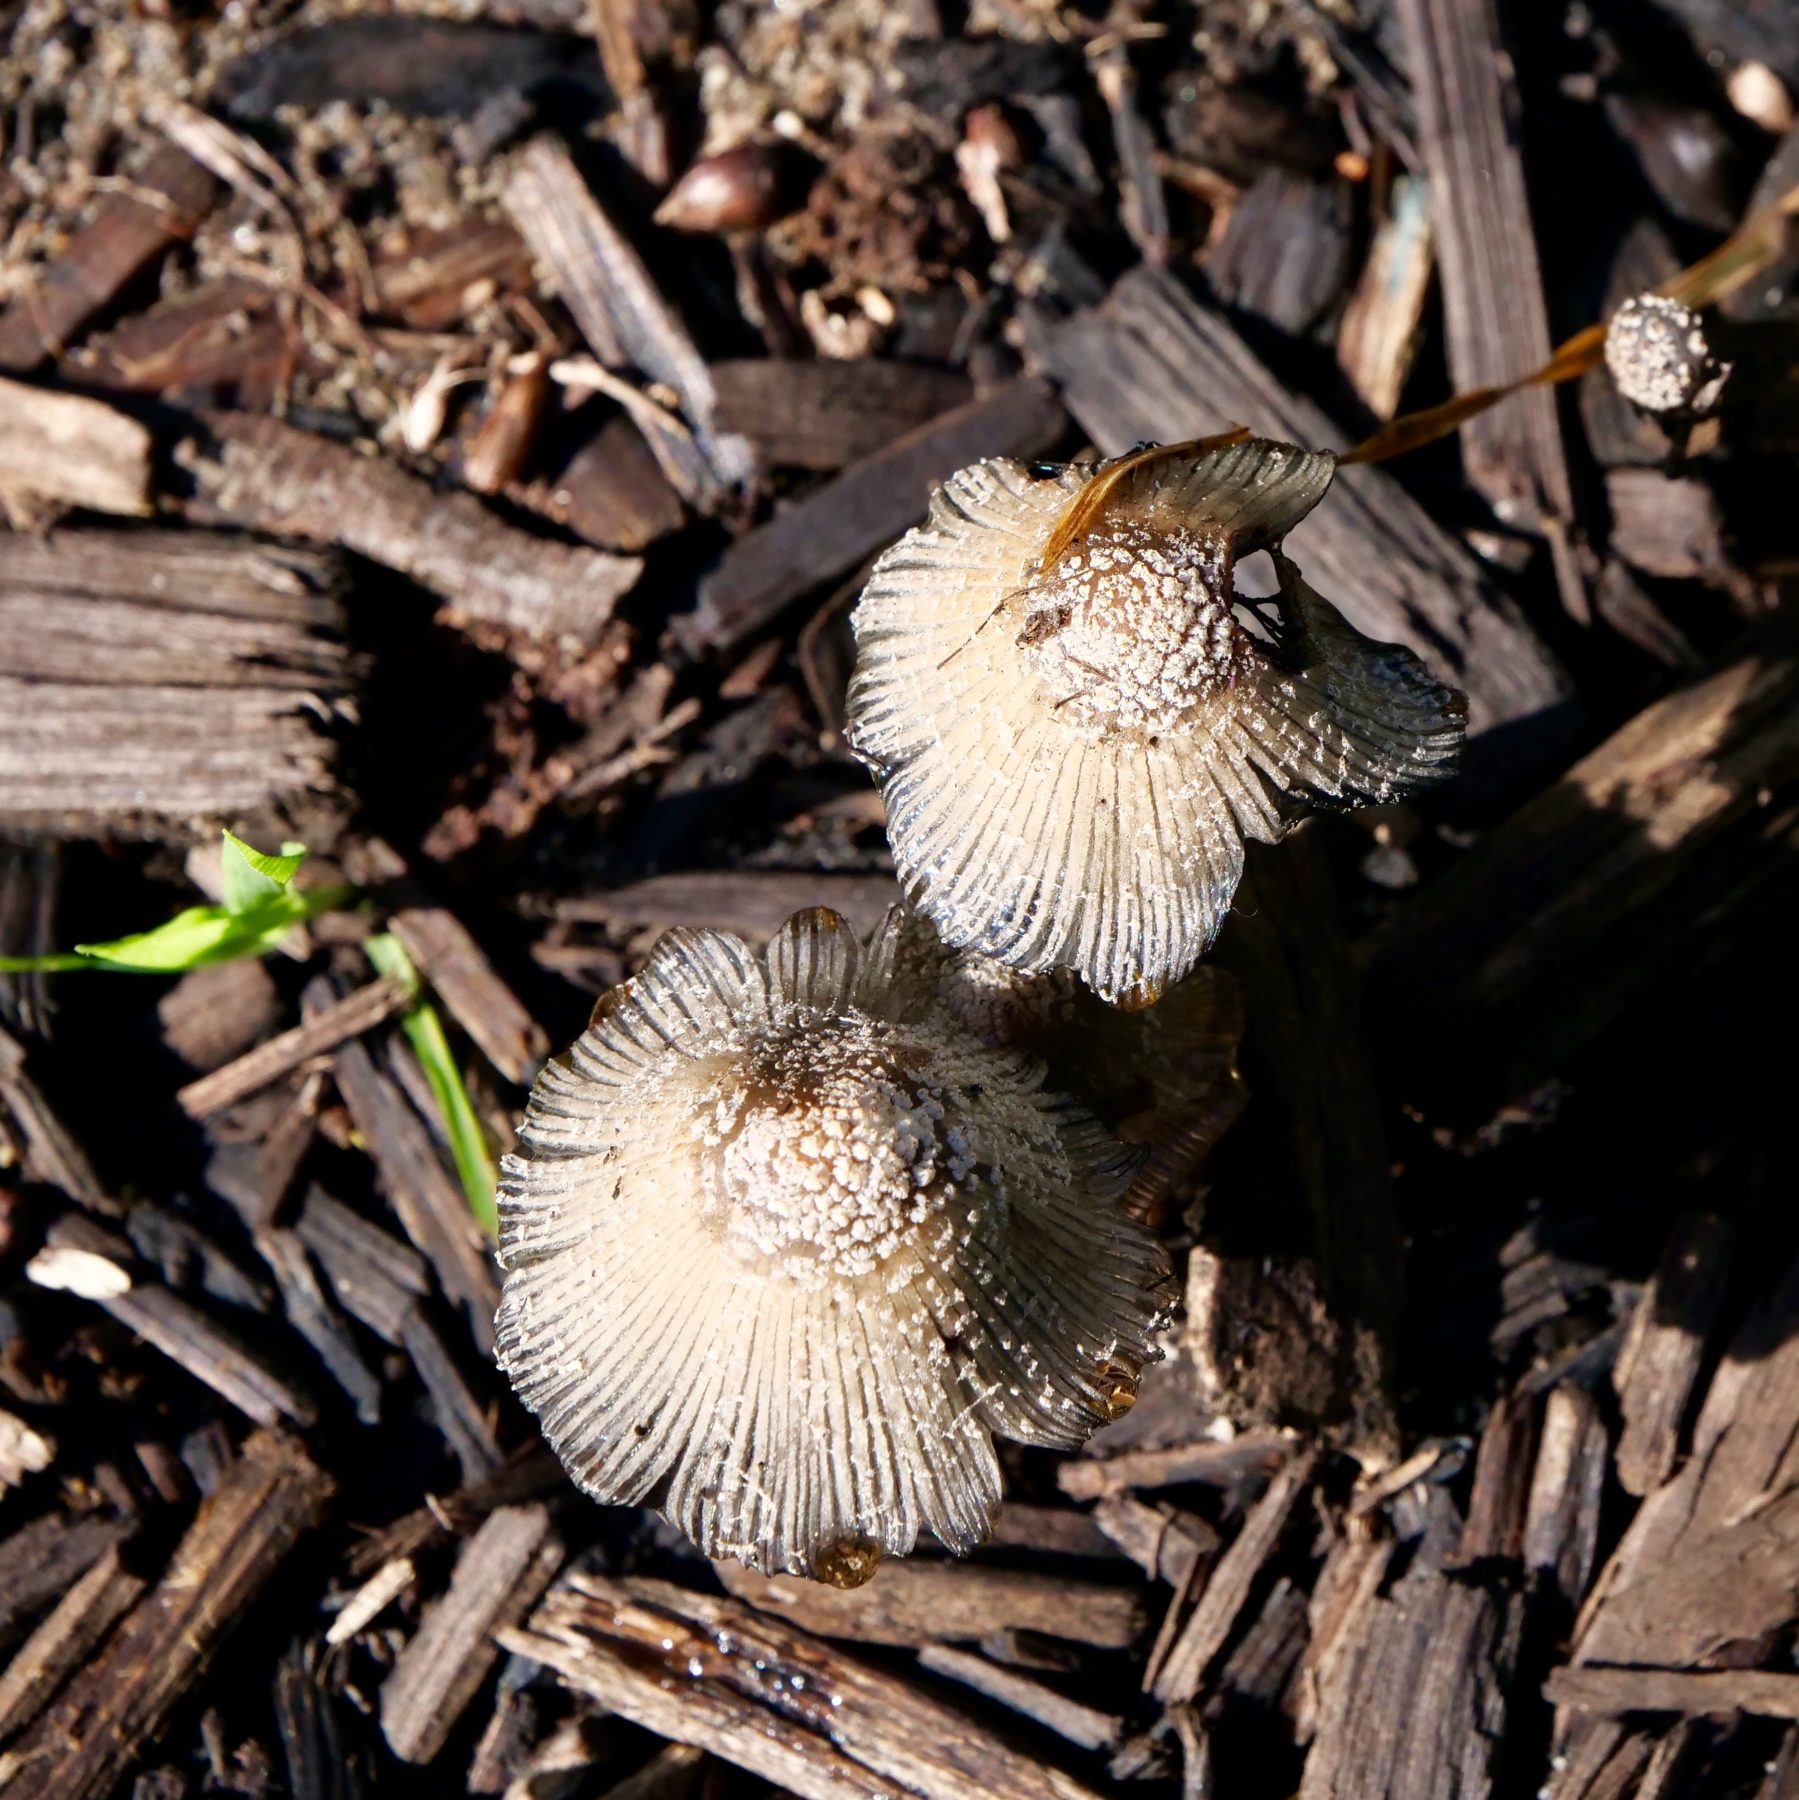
(1501, 1491)
(772, 1700)
(1151, 364)
(1379, 333)
(65, 1640)
(625, 320)
(823, 414)
(914, 1603)
(1509, 962)
(1227, 1588)
(1495, 319)
(425, 1197)
(1080, 1724)
(472, 992)
(267, 476)
(39, 1562)
(1567, 1488)
(1760, 1691)
(72, 451)
(161, 206)
(1215, 1463)
(82, 1746)
(219, 659)
(181, 1330)
(499, 1575)
(332, 1025)
(1412, 1699)
(1665, 1346)
(836, 526)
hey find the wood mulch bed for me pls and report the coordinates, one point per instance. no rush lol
(456, 442)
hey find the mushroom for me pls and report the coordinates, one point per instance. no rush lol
(1163, 1078)
(785, 1247)
(1076, 721)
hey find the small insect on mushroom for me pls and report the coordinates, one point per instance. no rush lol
(1076, 725)
(785, 1247)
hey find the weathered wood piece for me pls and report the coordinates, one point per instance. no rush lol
(175, 1325)
(50, 1154)
(161, 206)
(1079, 1723)
(1150, 363)
(268, 476)
(913, 1603)
(385, 1284)
(39, 1562)
(1217, 1464)
(1379, 332)
(1163, 1541)
(324, 1030)
(65, 1640)
(612, 491)
(748, 900)
(1708, 1566)
(1495, 319)
(1227, 1588)
(214, 1014)
(1284, 255)
(499, 1575)
(311, 1313)
(626, 322)
(836, 526)
(84, 1743)
(1293, 1288)
(466, 982)
(150, 680)
(1683, 822)
(1567, 1488)
(1603, 1690)
(1497, 1503)
(428, 1203)
(825, 414)
(68, 450)
(1665, 1347)
(785, 1706)
(1412, 1699)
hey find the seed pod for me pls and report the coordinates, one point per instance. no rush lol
(1076, 728)
(739, 189)
(784, 1248)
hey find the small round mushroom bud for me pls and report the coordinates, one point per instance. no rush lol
(1657, 353)
(1076, 725)
(784, 1249)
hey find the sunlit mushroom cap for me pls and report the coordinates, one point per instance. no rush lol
(785, 1247)
(1076, 726)
(1163, 1078)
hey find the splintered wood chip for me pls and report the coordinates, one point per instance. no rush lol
(786, 1246)
(1077, 721)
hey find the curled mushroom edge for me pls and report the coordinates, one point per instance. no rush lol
(1077, 722)
(787, 1243)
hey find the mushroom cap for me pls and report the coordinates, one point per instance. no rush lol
(784, 1248)
(1163, 1078)
(1074, 728)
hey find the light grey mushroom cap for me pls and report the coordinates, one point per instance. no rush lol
(784, 1248)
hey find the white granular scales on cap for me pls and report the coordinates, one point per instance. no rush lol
(1134, 629)
(785, 1247)
(1075, 728)
(1657, 353)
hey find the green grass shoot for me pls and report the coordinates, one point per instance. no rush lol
(425, 1033)
(261, 906)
